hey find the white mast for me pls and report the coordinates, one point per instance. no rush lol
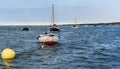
(52, 17)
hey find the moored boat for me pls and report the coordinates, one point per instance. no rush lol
(53, 27)
(75, 25)
(25, 29)
(48, 39)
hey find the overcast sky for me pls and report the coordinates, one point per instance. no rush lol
(65, 10)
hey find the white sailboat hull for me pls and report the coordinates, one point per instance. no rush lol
(48, 39)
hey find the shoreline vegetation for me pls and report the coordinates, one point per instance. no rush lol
(102, 24)
(97, 24)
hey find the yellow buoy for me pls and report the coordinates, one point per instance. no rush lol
(8, 53)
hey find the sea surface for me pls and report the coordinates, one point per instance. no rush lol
(87, 47)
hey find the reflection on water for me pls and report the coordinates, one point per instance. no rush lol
(8, 62)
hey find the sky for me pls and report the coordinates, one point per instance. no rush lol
(39, 11)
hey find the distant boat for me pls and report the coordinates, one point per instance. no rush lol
(74, 25)
(53, 26)
(25, 29)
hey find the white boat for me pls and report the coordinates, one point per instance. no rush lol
(53, 26)
(74, 25)
(48, 39)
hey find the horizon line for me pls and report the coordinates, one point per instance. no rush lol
(48, 23)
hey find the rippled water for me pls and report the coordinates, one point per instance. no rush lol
(87, 47)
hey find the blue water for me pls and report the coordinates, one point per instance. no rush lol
(86, 47)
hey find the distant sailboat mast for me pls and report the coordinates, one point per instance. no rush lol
(52, 17)
(53, 27)
(75, 25)
(75, 20)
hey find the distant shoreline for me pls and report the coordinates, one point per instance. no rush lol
(60, 24)
(104, 24)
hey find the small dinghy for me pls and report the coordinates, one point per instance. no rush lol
(25, 29)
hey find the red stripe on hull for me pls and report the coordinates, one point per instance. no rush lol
(50, 43)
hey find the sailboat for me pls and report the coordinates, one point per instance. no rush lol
(50, 38)
(75, 25)
(53, 26)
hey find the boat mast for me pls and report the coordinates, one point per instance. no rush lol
(75, 20)
(52, 17)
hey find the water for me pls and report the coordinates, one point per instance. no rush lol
(87, 47)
